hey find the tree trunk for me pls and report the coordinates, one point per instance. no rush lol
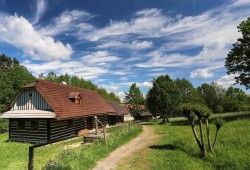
(208, 136)
(195, 134)
(204, 151)
(165, 119)
(215, 137)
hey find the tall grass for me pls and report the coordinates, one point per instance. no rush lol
(86, 156)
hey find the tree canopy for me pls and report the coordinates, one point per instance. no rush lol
(135, 99)
(164, 97)
(188, 93)
(238, 59)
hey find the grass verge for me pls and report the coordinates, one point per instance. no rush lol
(14, 155)
(86, 156)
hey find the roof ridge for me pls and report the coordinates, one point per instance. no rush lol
(55, 83)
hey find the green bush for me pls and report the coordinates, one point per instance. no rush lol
(54, 165)
(219, 109)
(4, 125)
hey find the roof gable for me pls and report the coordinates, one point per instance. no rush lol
(57, 96)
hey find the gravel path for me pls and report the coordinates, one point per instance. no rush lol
(146, 139)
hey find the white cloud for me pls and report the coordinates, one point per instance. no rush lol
(139, 84)
(240, 2)
(68, 21)
(201, 73)
(121, 95)
(226, 80)
(152, 18)
(141, 44)
(40, 9)
(134, 45)
(110, 87)
(71, 67)
(99, 57)
(18, 32)
(145, 84)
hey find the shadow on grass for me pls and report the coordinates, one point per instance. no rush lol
(229, 118)
(178, 145)
(165, 147)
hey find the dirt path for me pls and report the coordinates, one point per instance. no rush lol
(147, 138)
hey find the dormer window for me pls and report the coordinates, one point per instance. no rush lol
(75, 97)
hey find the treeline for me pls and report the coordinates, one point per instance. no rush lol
(214, 96)
(79, 82)
(167, 96)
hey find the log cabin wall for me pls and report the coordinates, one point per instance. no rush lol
(103, 119)
(66, 128)
(28, 130)
(30, 99)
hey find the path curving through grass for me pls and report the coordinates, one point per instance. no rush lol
(147, 138)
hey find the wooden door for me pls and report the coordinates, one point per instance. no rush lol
(89, 122)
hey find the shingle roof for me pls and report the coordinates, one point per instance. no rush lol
(120, 110)
(57, 96)
(145, 113)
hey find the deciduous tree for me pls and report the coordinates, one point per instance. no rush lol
(238, 59)
(164, 97)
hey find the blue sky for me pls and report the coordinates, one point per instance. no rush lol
(117, 42)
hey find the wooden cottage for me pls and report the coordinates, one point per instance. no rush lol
(44, 111)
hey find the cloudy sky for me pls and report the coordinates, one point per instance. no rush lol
(117, 42)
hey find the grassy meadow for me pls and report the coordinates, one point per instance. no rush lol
(177, 149)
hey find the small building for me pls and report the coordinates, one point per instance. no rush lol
(144, 115)
(44, 111)
(118, 117)
(128, 116)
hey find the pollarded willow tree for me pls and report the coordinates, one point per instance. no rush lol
(164, 97)
(202, 113)
(238, 59)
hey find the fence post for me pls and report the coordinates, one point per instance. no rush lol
(31, 158)
(104, 135)
(96, 125)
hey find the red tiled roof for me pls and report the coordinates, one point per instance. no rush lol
(120, 110)
(57, 96)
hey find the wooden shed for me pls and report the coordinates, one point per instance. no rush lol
(44, 111)
(117, 117)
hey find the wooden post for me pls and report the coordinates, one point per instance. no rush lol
(104, 135)
(31, 158)
(96, 125)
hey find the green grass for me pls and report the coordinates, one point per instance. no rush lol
(14, 155)
(86, 156)
(177, 149)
